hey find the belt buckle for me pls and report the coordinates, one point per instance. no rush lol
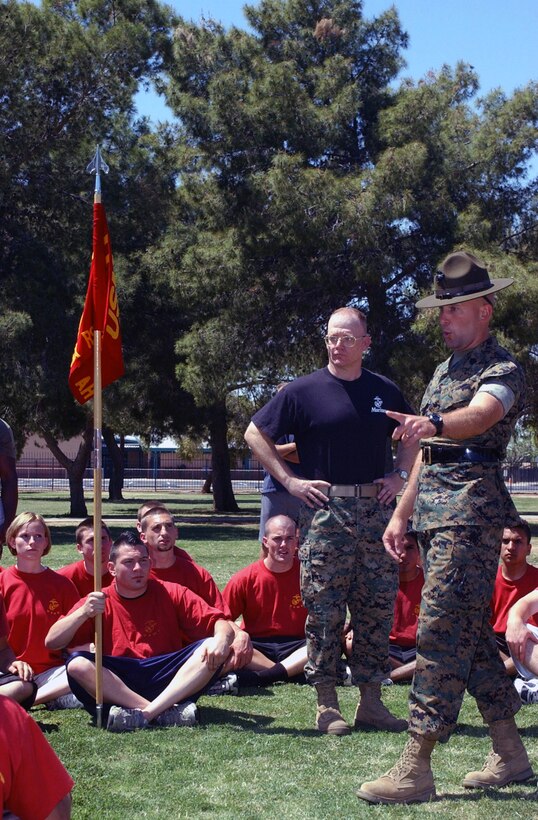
(357, 491)
(427, 454)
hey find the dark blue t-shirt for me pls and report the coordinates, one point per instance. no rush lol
(339, 426)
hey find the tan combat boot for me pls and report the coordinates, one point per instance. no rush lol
(372, 713)
(409, 781)
(329, 721)
(506, 763)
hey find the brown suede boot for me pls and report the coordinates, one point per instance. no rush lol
(372, 713)
(506, 763)
(409, 781)
(329, 721)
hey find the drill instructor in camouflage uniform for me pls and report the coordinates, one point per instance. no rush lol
(338, 417)
(461, 506)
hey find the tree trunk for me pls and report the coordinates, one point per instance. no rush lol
(223, 494)
(115, 482)
(75, 469)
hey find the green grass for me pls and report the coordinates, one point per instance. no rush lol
(256, 756)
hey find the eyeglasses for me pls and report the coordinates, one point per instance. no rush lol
(347, 341)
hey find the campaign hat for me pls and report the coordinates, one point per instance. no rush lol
(462, 277)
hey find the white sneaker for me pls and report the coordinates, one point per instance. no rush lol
(180, 714)
(224, 686)
(527, 690)
(68, 701)
(121, 719)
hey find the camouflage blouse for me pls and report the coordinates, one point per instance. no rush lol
(470, 494)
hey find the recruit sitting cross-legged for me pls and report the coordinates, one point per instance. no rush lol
(162, 644)
(35, 597)
(267, 595)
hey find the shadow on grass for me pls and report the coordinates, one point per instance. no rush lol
(496, 795)
(251, 721)
(482, 731)
(47, 728)
(212, 715)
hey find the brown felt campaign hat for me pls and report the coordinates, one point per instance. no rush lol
(461, 277)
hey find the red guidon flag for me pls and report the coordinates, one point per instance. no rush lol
(100, 313)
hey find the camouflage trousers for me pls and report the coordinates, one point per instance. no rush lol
(456, 648)
(344, 564)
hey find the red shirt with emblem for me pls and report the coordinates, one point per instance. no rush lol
(34, 601)
(270, 602)
(165, 618)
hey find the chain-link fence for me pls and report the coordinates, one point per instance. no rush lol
(44, 473)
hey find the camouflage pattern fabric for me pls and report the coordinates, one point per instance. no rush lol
(456, 648)
(344, 563)
(460, 513)
(469, 493)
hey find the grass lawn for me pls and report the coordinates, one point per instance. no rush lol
(257, 755)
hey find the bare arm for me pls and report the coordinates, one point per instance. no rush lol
(7, 655)
(398, 524)
(240, 651)
(63, 631)
(517, 634)
(288, 452)
(217, 648)
(391, 484)
(10, 664)
(480, 414)
(311, 492)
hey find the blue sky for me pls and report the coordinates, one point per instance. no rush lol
(498, 37)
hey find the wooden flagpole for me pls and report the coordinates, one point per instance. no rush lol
(96, 166)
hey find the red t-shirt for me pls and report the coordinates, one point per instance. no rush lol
(406, 609)
(270, 602)
(189, 574)
(4, 627)
(81, 578)
(32, 778)
(506, 593)
(165, 618)
(35, 601)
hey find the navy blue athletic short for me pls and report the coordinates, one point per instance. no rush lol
(147, 677)
(278, 648)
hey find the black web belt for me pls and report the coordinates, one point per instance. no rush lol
(440, 454)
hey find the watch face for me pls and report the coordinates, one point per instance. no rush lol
(404, 475)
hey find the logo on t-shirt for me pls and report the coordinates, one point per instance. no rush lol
(53, 607)
(150, 628)
(378, 405)
(296, 601)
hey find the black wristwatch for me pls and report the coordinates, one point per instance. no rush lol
(437, 422)
(404, 475)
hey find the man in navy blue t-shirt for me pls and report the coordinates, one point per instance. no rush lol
(337, 416)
